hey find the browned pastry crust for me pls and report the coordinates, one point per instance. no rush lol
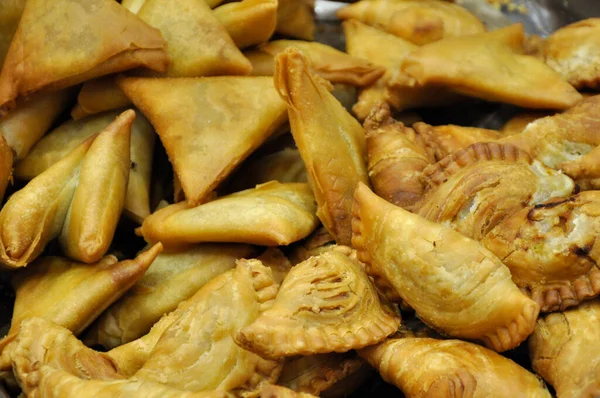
(453, 283)
(474, 189)
(430, 368)
(565, 351)
(551, 250)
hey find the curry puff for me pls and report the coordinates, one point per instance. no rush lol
(551, 250)
(196, 41)
(325, 304)
(426, 367)
(334, 65)
(248, 22)
(60, 141)
(491, 66)
(418, 21)
(286, 213)
(208, 126)
(322, 127)
(474, 189)
(172, 278)
(453, 283)
(99, 95)
(564, 350)
(574, 52)
(44, 54)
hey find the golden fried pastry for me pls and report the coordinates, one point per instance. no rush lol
(99, 95)
(325, 304)
(25, 125)
(60, 141)
(397, 158)
(277, 261)
(488, 66)
(315, 374)
(133, 5)
(100, 194)
(10, 14)
(66, 42)
(286, 213)
(574, 52)
(274, 391)
(564, 350)
(334, 65)
(197, 351)
(70, 294)
(445, 140)
(248, 22)
(426, 367)
(295, 18)
(235, 115)
(322, 127)
(6, 165)
(474, 189)
(315, 244)
(418, 21)
(517, 123)
(197, 42)
(35, 215)
(453, 283)
(387, 50)
(551, 250)
(172, 278)
(283, 166)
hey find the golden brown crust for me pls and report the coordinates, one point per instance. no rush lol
(248, 22)
(467, 293)
(325, 304)
(6, 166)
(273, 391)
(295, 18)
(99, 95)
(519, 122)
(425, 367)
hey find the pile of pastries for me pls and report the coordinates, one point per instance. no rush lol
(304, 227)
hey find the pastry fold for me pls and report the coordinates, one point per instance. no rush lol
(97, 96)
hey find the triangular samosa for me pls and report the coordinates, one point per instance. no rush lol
(99, 95)
(60, 141)
(296, 18)
(65, 42)
(334, 65)
(331, 142)
(100, 194)
(25, 125)
(489, 67)
(197, 43)
(10, 14)
(208, 125)
(248, 22)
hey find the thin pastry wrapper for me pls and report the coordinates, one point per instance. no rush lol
(50, 362)
(197, 42)
(445, 140)
(551, 250)
(197, 351)
(9, 21)
(466, 293)
(397, 157)
(283, 166)
(286, 213)
(321, 126)
(565, 352)
(325, 304)
(35, 215)
(32, 64)
(519, 122)
(173, 277)
(133, 5)
(25, 125)
(296, 18)
(6, 165)
(248, 22)
(99, 95)
(573, 52)
(71, 294)
(100, 194)
(474, 189)
(235, 114)
(418, 21)
(331, 64)
(426, 367)
(489, 66)
(277, 261)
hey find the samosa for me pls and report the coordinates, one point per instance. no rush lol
(10, 14)
(65, 42)
(296, 18)
(208, 125)
(99, 95)
(248, 22)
